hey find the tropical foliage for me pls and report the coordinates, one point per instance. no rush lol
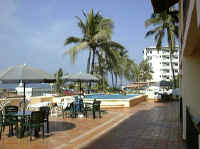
(59, 81)
(143, 71)
(106, 57)
(97, 32)
(118, 67)
(164, 24)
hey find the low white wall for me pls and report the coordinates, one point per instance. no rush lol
(114, 103)
(58, 99)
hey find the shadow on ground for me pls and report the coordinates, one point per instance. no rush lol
(56, 126)
(153, 126)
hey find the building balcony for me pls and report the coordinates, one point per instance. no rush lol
(166, 66)
(166, 73)
(165, 60)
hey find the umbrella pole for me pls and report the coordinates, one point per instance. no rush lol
(24, 97)
(80, 89)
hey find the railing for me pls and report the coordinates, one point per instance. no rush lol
(181, 109)
(34, 93)
(192, 131)
(165, 59)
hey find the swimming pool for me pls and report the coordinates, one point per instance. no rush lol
(109, 96)
(115, 100)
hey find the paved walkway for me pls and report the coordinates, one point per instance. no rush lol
(150, 126)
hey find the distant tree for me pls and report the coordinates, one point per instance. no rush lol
(59, 81)
(145, 71)
(71, 86)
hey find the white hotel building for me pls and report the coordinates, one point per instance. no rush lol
(160, 62)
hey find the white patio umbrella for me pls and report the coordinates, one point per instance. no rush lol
(81, 77)
(24, 74)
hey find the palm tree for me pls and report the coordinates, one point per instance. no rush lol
(165, 22)
(124, 66)
(145, 70)
(119, 65)
(142, 71)
(96, 31)
(59, 82)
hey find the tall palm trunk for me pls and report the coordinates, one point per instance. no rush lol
(88, 63)
(101, 69)
(112, 79)
(172, 69)
(171, 43)
(115, 79)
(93, 59)
(121, 78)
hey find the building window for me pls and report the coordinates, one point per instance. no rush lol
(175, 64)
(176, 70)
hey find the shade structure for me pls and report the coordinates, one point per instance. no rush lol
(24, 74)
(81, 77)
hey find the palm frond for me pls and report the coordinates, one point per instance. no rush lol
(159, 39)
(72, 40)
(76, 49)
(84, 14)
(102, 35)
(117, 45)
(153, 31)
(150, 33)
(153, 21)
(81, 25)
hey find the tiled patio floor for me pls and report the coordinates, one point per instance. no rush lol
(153, 126)
(146, 126)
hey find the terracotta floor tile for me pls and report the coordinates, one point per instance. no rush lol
(147, 125)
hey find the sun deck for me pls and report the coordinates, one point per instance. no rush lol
(146, 125)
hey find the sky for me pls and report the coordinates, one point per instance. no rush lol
(33, 32)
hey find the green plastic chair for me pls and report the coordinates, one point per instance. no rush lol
(69, 111)
(2, 125)
(45, 111)
(10, 119)
(94, 107)
(36, 122)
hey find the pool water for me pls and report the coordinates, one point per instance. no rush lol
(109, 96)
